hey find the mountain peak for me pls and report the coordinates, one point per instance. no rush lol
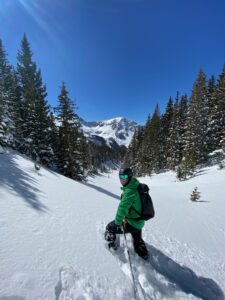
(116, 131)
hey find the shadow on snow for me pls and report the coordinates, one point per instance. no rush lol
(18, 181)
(101, 190)
(183, 277)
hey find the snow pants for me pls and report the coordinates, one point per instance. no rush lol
(112, 229)
(139, 245)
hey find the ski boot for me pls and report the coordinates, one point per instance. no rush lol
(115, 243)
(141, 250)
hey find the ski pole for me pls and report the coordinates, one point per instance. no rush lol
(131, 268)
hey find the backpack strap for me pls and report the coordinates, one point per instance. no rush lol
(137, 212)
(142, 188)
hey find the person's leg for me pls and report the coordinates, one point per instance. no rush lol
(138, 242)
(110, 234)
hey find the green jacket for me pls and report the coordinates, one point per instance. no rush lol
(130, 197)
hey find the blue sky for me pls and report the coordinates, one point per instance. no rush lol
(118, 57)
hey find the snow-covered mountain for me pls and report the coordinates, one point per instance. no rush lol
(52, 237)
(114, 132)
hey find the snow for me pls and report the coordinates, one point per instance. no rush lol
(52, 246)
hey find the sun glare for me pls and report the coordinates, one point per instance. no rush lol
(37, 11)
(31, 8)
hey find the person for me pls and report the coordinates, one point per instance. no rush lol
(127, 220)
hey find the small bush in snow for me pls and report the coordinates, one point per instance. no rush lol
(195, 195)
(37, 166)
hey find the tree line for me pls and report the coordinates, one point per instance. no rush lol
(50, 136)
(185, 134)
(179, 139)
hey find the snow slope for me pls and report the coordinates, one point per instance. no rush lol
(52, 247)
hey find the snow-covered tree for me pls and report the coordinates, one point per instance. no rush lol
(177, 132)
(164, 134)
(72, 154)
(220, 113)
(35, 110)
(8, 101)
(195, 195)
(212, 125)
(134, 152)
(195, 148)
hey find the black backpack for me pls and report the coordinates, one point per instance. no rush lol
(147, 211)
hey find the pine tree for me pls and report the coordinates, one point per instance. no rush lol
(182, 120)
(151, 147)
(222, 142)
(139, 149)
(211, 142)
(42, 141)
(2, 102)
(177, 137)
(134, 153)
(72, 154)
(53, 140)
(173, 138)
(220, 109)
(17, 110)
(26, 70)
(35, 111)
(8, 101)
(195, 195)
(195, 149)
(155, 133)
(164, 139)
(145, 160)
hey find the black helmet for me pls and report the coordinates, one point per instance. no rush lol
(126, 171)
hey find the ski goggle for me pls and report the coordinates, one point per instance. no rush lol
(123, 177)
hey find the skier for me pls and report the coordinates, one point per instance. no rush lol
(126, 218)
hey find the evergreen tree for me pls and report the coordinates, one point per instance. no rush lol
(173, 137)
(181, 126)
(72, 154)
(8, 101)
(155, 134)
(195, 150)
(139, 150)
(134, 153)
(43, 128)
(53, 140)
(195, 195)
(220, 109)
(145, 158)
(17, 110)
(151, 147)
(35, 111)
(212, 124)
(177, 133)
(222, 142)
(164, 139)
